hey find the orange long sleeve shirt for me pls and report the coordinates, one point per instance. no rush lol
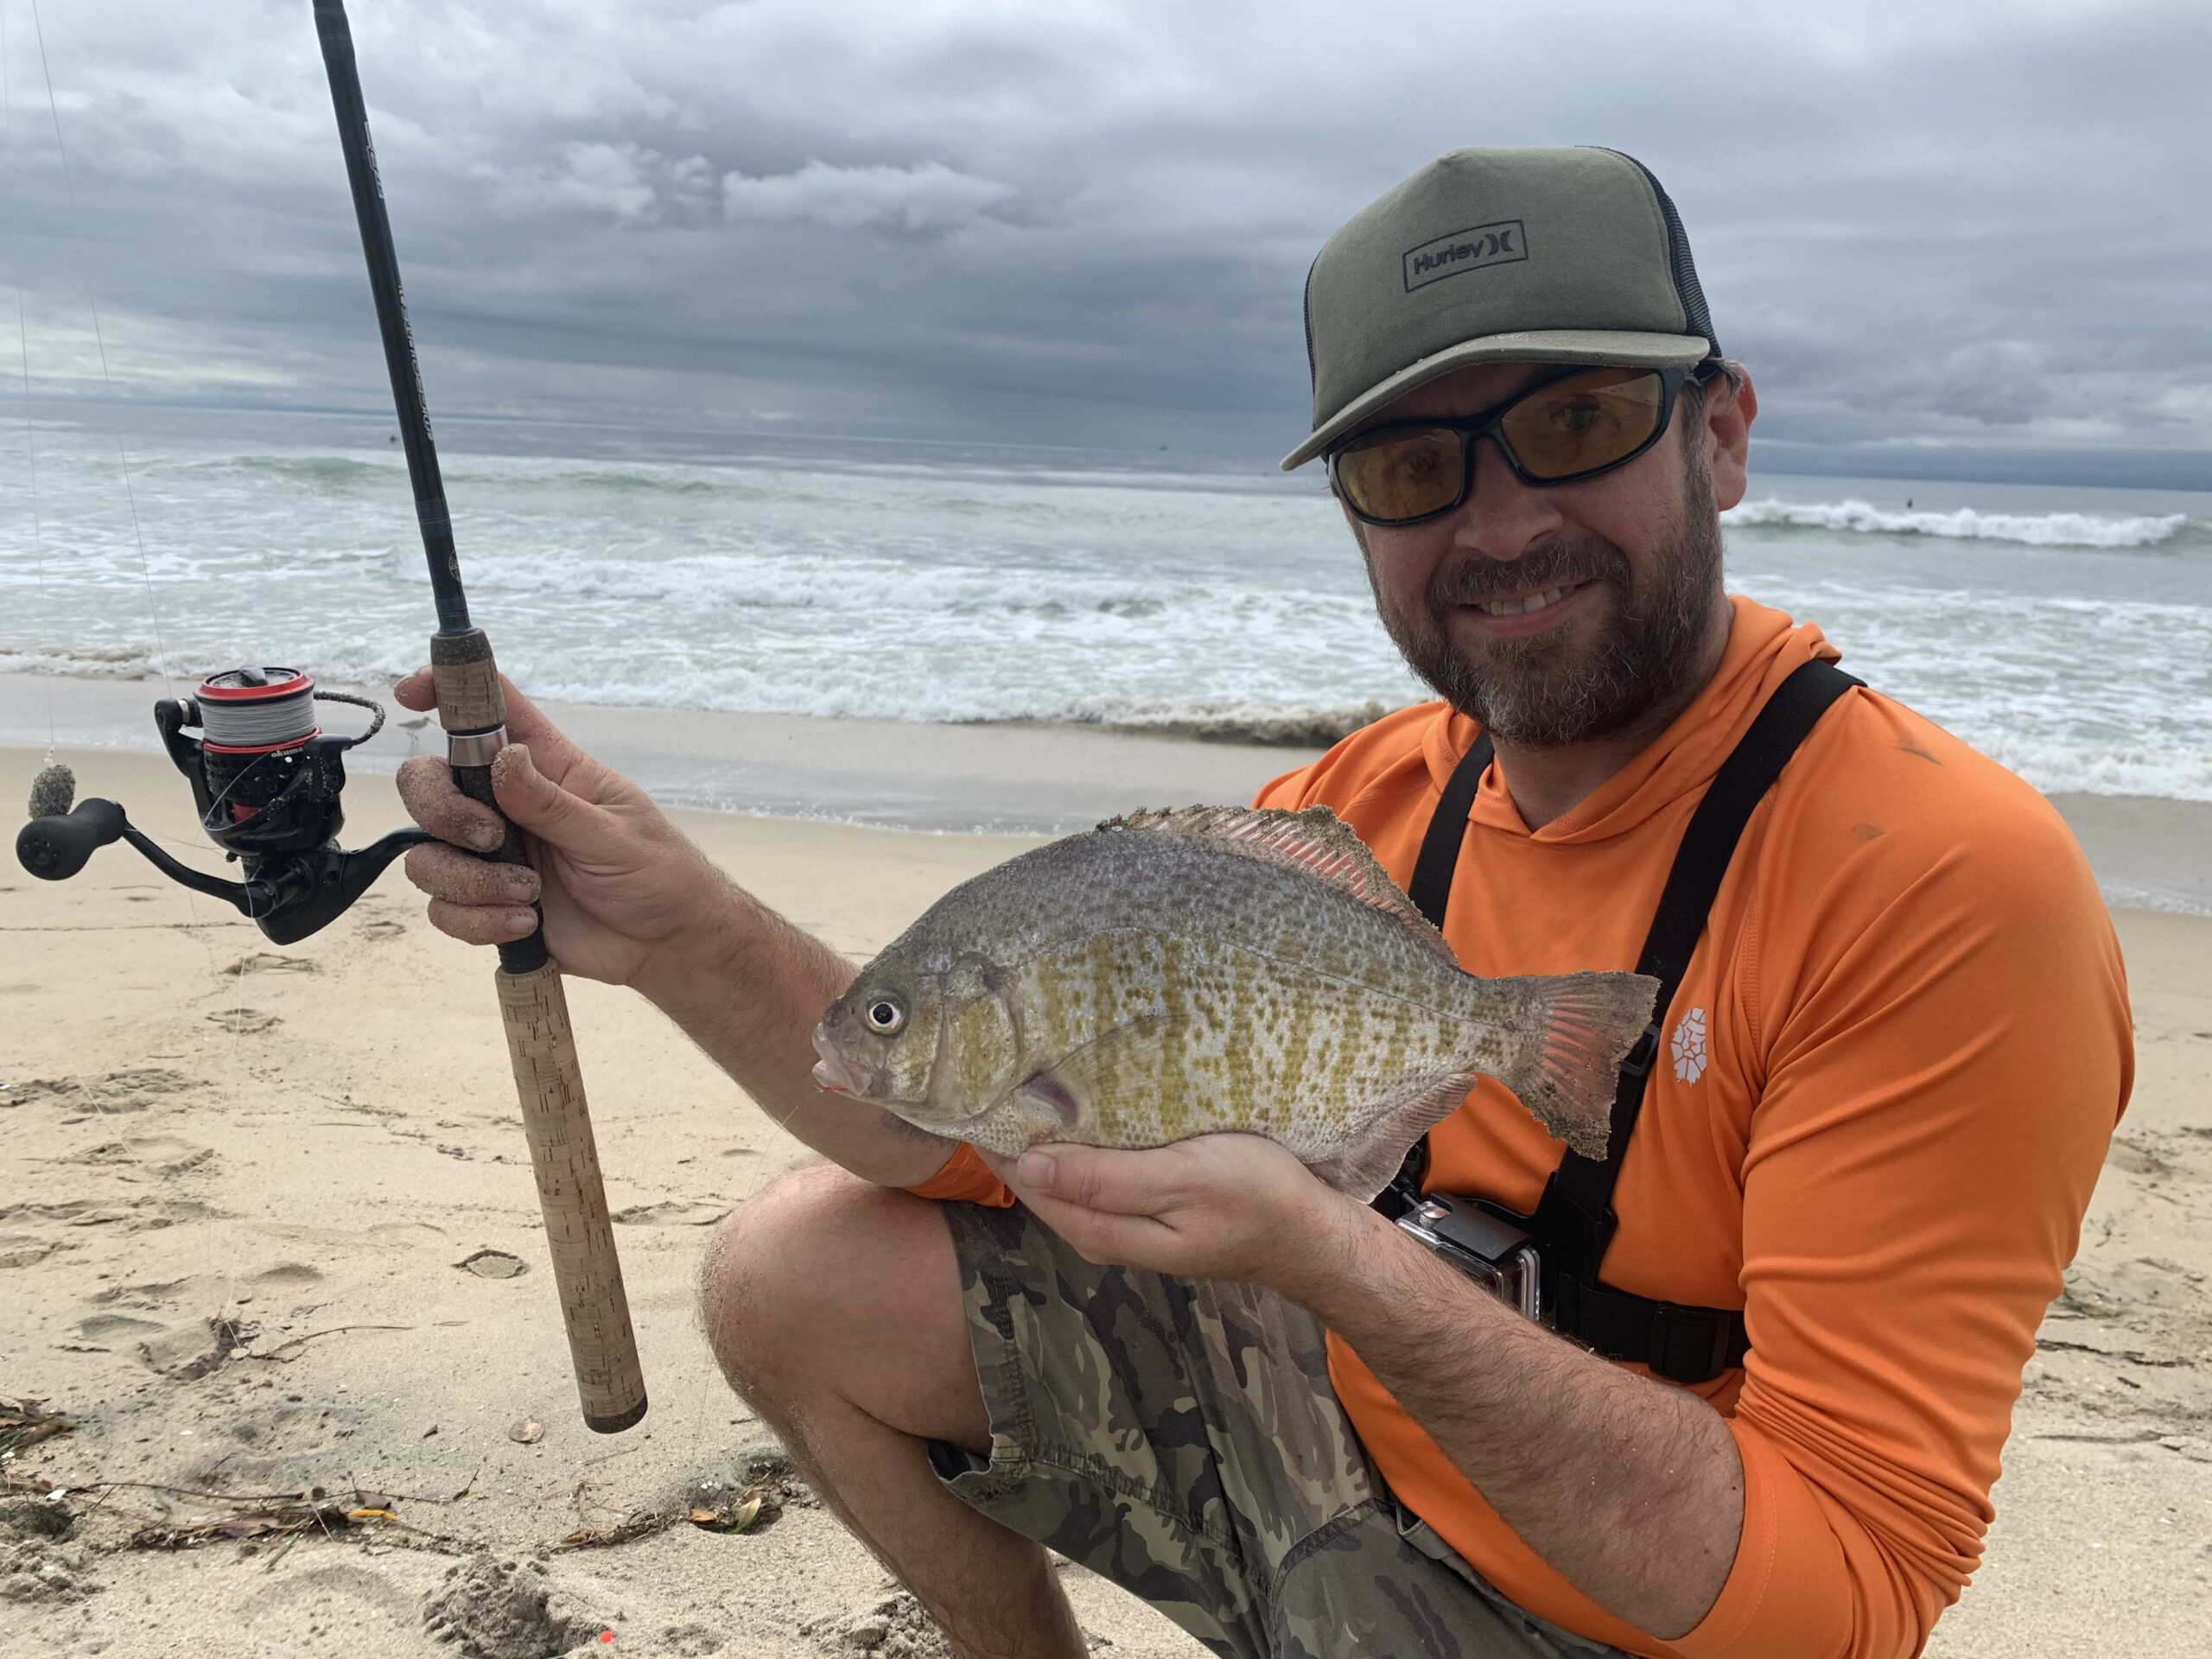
(1889, 1080)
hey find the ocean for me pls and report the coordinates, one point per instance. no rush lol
(2065, 630)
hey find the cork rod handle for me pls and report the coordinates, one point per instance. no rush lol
(587, 1273)
(556, 1118)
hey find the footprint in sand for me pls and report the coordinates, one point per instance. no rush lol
(155, 1293)
(330, 1607)
(378, 928)
(125, 1215)
(164, 1154)
(673, 1213)
(22, 1250)
(37, 1089)
(186, 1352)
(131, 1090)
(117, 1328)
(268, 962)
(245, 1021)
(493, 1264)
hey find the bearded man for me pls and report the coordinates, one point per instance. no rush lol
(1745, 1387)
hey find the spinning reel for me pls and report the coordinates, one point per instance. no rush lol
(266, 778)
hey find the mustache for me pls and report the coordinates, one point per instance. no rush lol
(1549, 564)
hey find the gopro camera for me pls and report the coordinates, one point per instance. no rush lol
(1482, 1244)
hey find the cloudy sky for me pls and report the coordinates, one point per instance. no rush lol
(1970, 236)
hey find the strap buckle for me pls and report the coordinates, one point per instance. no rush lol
(1689, 1344)
(1646, 1050)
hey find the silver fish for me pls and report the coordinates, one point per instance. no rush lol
(1175, 973)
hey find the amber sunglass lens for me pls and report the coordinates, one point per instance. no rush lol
(1406, 472)
(1586, 422)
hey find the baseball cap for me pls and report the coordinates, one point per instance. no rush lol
(1493, 256)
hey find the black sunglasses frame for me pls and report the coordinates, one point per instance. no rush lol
(1473, 428)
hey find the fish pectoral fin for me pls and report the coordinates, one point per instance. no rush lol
(1120, 1068)
(1365, 1167)
(1047, 1090)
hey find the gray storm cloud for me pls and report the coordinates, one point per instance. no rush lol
(1971, 236)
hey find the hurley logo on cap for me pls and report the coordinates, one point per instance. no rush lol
(1498, 243)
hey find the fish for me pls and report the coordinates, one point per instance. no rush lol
(1185, 971)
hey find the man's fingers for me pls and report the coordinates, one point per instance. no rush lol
(554, 815)
(1098, 1177)
(426, 788)
(448, 874)
(416, 692)
(476, 925)
(1098, 1235)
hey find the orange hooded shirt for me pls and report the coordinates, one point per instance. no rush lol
(1887, 1086)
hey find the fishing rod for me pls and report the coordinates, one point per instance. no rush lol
(267, 778)
(556, 1120)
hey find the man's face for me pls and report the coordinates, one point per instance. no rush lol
(1632, 555)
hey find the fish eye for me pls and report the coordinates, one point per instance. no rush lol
(884, 1016)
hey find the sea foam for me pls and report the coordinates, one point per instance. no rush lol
(1963, 524)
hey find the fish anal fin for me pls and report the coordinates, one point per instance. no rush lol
(1314, 840)
(1366, 1166)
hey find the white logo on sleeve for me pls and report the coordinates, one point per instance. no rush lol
(1688, 1045)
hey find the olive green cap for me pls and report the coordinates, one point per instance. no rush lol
(1494, 256)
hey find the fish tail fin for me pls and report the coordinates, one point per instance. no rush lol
(1575, 1029)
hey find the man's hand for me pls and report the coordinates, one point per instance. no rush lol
(620, 884)
(1217, 1206)
(631, 901)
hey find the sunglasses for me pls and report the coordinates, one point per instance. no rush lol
(1572, 426)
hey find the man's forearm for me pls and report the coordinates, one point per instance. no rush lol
(1631, 1489)
(749, 988)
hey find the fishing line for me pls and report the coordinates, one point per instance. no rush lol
(24, 343)
(233, 1052)
(107, 381)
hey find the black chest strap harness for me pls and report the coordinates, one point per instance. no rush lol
(1574, 1221)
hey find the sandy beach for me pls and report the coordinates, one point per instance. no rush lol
(245, 1196)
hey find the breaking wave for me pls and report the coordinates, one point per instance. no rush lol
(1963, 524)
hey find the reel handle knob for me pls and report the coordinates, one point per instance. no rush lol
(54, 849)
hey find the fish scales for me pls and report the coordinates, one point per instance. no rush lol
(1179, 974)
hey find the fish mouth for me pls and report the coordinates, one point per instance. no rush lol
(836, 1074)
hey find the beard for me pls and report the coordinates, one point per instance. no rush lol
(1547, 692)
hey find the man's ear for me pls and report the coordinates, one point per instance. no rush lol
(1730, 408)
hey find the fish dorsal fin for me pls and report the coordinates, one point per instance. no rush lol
(1315, 841)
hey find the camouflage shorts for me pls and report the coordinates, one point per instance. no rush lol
(1182, 1439)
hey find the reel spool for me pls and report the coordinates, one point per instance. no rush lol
(266, 776)
(256, 710)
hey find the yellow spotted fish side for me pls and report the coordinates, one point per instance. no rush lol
(1174, 974)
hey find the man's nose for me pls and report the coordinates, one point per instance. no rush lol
(1501, 517)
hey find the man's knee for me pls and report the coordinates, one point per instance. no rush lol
(815, 1268)
(762, 1280)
